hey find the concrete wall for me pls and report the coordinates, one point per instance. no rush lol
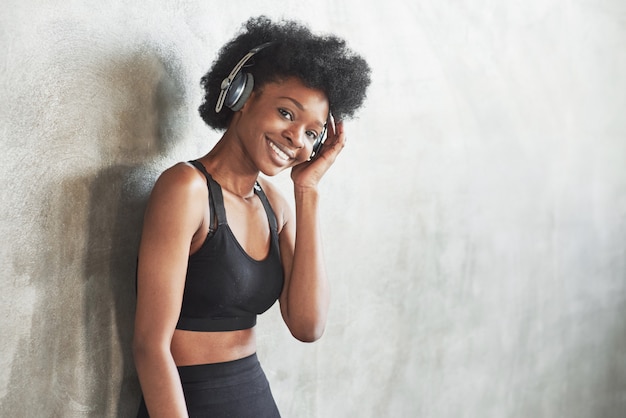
(475, 226)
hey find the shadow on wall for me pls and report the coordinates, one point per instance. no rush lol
(117, 202)
(77, 360)
(118, 196)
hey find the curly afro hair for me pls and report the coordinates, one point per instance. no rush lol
(320, 62)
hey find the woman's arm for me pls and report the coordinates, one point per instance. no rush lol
(306, 296)
(173, 215)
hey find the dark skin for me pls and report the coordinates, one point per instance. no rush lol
(274, 131)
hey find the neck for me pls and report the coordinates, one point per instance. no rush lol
(230, 166)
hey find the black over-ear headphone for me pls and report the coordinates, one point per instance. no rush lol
(237, 87)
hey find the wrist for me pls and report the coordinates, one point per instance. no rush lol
(301, 190)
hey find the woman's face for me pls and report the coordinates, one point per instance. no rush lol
(279, 124)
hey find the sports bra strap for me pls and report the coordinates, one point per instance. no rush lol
(216, 199)
(271, 216)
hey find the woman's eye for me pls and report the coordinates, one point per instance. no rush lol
(312, 135)
(285, 114)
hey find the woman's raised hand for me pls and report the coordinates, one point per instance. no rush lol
(308, 174)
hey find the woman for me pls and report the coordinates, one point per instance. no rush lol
(220, 245)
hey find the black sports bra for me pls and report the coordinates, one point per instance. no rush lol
(225, 288)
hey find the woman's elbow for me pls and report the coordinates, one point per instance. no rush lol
(308, 334)
(146, 348)
(140, 348)
(306, 325)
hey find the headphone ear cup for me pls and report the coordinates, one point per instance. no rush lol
(237, 87)
(317, 145)
(239, 92)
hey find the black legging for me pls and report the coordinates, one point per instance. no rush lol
(236, 388)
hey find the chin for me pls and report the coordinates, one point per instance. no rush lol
(272, 171)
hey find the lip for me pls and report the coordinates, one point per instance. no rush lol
(289, 153)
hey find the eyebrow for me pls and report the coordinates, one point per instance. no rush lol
(299, 106)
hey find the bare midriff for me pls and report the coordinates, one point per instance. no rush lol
(195, 347)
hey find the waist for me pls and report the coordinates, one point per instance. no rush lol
(243, 366)
(198, 347)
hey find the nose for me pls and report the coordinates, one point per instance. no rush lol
(296, 135)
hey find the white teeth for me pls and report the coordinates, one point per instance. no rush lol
(278, 151)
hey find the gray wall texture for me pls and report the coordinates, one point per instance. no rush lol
(475, 224)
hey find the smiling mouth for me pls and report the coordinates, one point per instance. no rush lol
(278, 151)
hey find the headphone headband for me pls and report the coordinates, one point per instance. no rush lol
(228, 81)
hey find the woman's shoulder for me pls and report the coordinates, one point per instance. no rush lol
(181, 179)
(272, 192)
(181, 174)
